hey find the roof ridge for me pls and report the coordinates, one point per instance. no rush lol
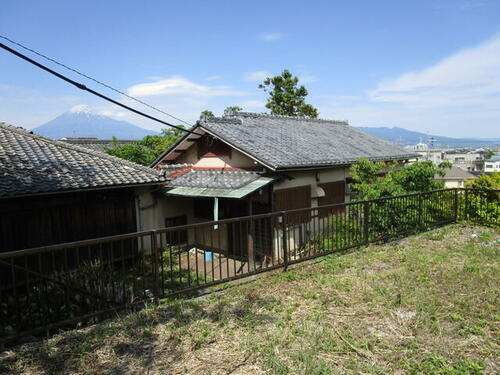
(269, 115)
(24, 132)
(225, 119)
(78, 141)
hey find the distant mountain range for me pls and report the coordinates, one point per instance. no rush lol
(407, 137)
(82, 123)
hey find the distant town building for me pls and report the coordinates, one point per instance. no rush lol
(455, 177)
(472, 161)
(426, 153)
(419, 147)
(492, 164)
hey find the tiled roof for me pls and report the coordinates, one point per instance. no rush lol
(96, 144)
(217, 182)
(282, 142)
(215, 178)
(31, 164)
(455, 173)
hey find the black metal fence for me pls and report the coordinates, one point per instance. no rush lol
(58, 285)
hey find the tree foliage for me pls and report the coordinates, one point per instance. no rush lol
(146, 150)
(380, 179)
(286, 97)
(207, 113)
(485, 182)
(482, 203)
(232, 109)
(489, 154)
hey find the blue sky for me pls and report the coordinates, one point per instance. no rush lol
(430, 66)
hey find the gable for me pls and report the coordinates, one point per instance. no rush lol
(206, 152)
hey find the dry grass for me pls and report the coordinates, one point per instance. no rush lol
(425, 305)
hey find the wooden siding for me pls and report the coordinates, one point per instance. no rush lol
(294, 198)
(334, 193)
(50, 219)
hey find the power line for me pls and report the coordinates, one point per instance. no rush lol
(92, 79)
(85, 88)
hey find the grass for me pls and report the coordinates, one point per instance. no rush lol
(424, 305)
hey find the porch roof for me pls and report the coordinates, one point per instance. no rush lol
(220, 183)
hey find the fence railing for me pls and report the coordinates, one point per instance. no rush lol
(57, 285)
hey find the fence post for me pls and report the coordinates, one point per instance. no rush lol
(250, 246)
(284, 239)
(366, 223)
(466, 216)
(420, 211)
(456, 205)
(155, 264)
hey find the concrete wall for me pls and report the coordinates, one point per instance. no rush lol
(453, 183)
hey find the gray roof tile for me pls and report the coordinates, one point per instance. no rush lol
(31, 164)
(455, 173)
(215, 178)
(282, 142)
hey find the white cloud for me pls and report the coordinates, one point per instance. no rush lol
(270, 37)
(458, 96)
(257, 76)
(468, 76)
(112, 113)
(180, 86)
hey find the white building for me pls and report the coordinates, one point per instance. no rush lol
(471, 161)
(492, 164)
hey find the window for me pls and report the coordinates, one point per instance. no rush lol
(177, 237)
(294, 198)
(334, 193)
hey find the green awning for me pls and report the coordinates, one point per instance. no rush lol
(241, 192)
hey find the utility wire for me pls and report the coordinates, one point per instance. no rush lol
(85, 88)
(92, 79)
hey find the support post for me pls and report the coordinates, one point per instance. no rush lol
(250, 242)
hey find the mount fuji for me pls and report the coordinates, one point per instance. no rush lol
(81, 122)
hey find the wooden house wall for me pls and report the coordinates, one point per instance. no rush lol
(49, 219)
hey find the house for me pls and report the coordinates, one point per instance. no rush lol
(492, 164)
(247, 163)
(455, 177)
(426, 153)
(53, 192)
(467, 160)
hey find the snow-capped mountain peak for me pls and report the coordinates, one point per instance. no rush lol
(82, 121)
(81, 108)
